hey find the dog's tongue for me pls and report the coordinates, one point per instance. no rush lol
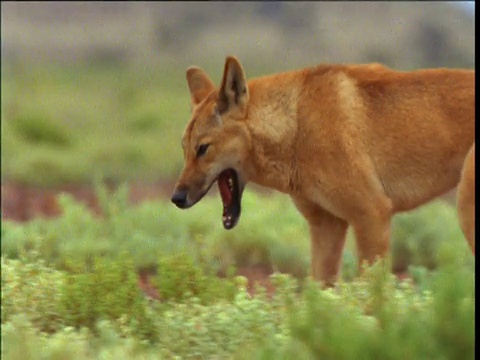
(225, 192)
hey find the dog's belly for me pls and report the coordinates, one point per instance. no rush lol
(410, 190)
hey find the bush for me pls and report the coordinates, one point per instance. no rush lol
(105, 290)
(179, 278)
(40, 130)
(32, 289)
(97, 117)
(98, 312)
(417, 235)
(152, 229)
(375, 317)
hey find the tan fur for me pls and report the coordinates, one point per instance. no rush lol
(351, 144)
(466, 198)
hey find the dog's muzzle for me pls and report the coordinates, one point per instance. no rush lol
(179, 198)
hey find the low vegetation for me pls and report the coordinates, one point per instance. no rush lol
(275, 240)
(70, 287)
(69, 125)
(101, 313)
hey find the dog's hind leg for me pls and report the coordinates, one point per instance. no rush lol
(372, 231)
(466, 198)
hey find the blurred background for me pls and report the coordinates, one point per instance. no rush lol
(278, 35)
(97, 89)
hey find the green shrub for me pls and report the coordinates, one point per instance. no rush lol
(454, 305)
(144, 123)
(191, 330)
(22, 341)
(99, 314)
(40, 130)
(152, 228)
(278, 241)
(105, 289)
(179, 278)
(417, 235)
(97, 117)
(32, 289)
(376, 317)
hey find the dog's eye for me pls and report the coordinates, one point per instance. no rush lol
(202, 149)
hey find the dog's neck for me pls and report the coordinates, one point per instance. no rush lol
(272, 125)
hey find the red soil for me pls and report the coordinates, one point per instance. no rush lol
(23, 203)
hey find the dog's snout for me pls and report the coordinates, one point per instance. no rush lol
(179, 198)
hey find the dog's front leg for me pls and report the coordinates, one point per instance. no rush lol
(328, 234)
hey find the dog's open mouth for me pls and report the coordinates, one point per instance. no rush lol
(231, 193)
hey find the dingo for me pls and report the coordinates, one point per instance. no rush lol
(351, 144)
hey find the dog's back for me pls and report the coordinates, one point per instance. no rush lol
(416, 127)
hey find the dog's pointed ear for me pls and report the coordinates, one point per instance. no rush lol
(233, 94)
(199, 84)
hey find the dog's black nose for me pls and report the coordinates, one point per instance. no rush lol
(179, 198)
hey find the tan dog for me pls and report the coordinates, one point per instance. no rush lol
(351, 144)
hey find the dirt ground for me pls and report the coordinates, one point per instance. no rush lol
(22, 203)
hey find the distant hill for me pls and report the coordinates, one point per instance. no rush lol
(400, 34)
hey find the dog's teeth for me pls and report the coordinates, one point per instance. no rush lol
(230, 184)
(227, 220)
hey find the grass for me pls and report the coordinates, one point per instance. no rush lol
(69, 287)
(72, 124)
(97, 311)
(153, 229)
